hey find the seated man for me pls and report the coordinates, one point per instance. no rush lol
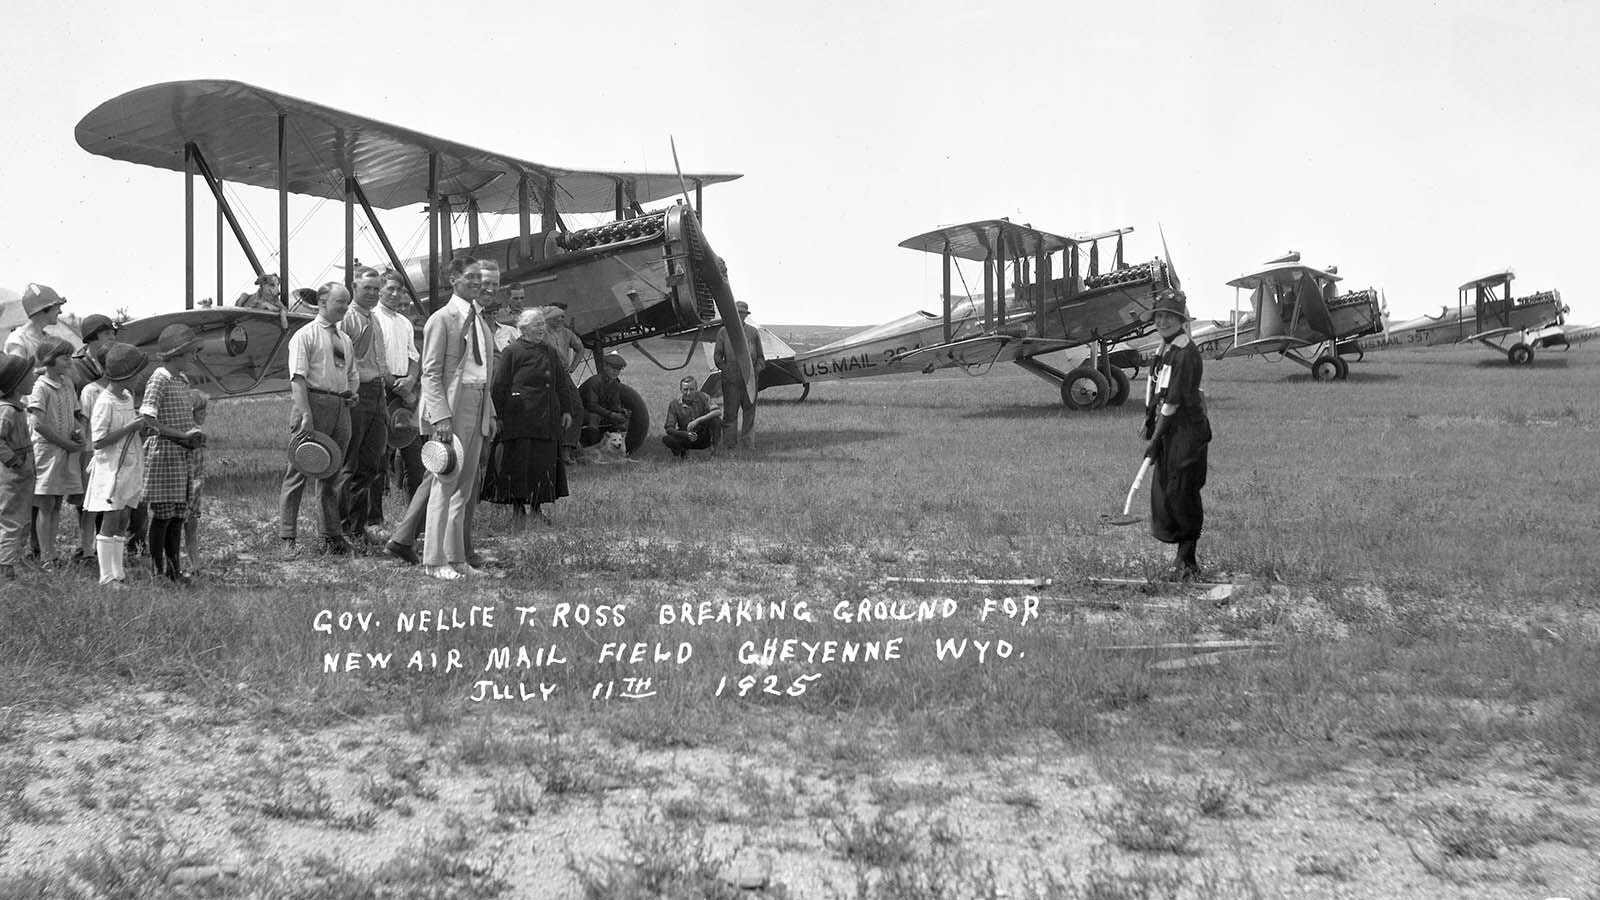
(692, 423)
(603, 410)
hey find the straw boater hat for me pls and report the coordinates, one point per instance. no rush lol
(440, 458)
(402, 427)
(176, 340)
(13, 369)
(38, 297)
(315, 455)
(124, 362)
(1172, 301)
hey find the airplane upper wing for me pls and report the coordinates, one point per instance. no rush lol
(977, 240)
(1491, 278)
(1277, 272)
(236, 127)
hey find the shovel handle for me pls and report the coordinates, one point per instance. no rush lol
(1137, 480)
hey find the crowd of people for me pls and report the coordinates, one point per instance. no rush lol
(484, 408)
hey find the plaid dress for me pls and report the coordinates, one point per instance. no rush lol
(167, 466)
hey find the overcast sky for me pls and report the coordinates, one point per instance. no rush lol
(1416, 145)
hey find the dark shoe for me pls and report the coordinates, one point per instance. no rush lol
(476, 560)
(336, 546)
(403, 552)
(8, 572)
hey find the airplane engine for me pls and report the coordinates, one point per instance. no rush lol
(631, 279)
(1356, 314)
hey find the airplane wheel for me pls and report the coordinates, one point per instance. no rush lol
(638, 418)
(1085, 389)
(1344, 368)
(1121, 387)
(1519, 354)
(1326, 368)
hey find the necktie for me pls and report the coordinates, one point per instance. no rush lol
(472, 323)
(338, 345)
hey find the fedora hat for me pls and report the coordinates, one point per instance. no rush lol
(13, 369)
(176, 340)
(123, 362)
(442, 459)
(37, 298)
(1172, 301)
(315, 455)
(402, 426)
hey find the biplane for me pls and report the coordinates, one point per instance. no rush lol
(1296, 312)
(1487, 314)
(648, 272)
(1042, 293)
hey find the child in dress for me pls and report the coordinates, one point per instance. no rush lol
(116, 478)
(16, 461)
(197, 481)
(168, 451)
(57, 441)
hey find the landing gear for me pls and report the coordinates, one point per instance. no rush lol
(1328, 368)
(1085, 388)
(1519, 354)
(1121, 387)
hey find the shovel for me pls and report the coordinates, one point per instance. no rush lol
(1126, 518)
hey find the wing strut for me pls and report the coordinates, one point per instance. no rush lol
(283, 209)
(947, 292)
(383, 238)
(433, 231)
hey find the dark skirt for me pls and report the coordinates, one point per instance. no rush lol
(1176, 511)
(525, 470)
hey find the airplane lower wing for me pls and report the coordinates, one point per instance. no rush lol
(1273, 344)
(980, 350)
(1491, 334)
(242, 351)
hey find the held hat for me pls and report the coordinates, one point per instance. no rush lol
(315, 455)
(442, 459)
(123, 362)
(38, 297)
(176, 340)
(93, 325)
(1172, 301)
(402, 427)
(13, 369)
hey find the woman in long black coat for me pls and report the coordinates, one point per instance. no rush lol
(536, 402)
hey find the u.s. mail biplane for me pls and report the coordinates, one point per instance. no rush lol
(1296, 312)
(1042, 293)
(648, 272)
(1487, 314)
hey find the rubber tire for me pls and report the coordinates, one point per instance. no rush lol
(1520, 354)
(638, 418)
(1081, 399)
(1121, 387)
(1344, 368)
(1325, 368)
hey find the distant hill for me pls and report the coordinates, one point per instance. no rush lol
(807, 337)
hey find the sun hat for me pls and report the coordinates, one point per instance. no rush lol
(1172, 301)
(315, 455)
(402, 427)
(176, 340)
(123, 362)
(440, 458)
(93, 325)
(37, 298)
(13, 369)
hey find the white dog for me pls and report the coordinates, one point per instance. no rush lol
(611, 450)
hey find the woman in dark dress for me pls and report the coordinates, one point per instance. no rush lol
(1179, 432)
(536, 401)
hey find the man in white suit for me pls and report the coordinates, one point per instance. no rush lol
(457, 368)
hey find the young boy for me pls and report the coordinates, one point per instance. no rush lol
(57, 441)
(168, 452)
(116, 480)
(16, 461)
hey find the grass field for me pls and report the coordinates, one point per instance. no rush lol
(1410, 707)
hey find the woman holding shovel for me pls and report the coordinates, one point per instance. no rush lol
(1176, 427)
